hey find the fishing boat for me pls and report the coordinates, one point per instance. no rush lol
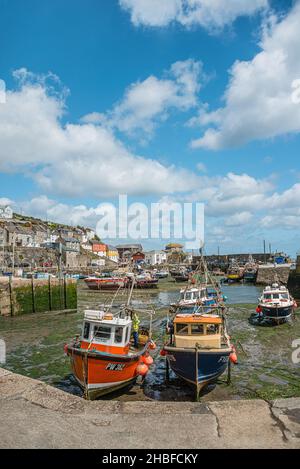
(235, 272)
(144, 280)
(106, 283)
(250, 270)
(161, 274)
(193, 299)
(276, 305)
(199, 348)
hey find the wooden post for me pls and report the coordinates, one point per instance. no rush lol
(49, 293)
(167, 371)
(65, 292)
(32, 295)
(10, 296)
(229, 372)
(196, 373)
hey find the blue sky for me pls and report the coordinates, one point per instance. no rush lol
(108, 97)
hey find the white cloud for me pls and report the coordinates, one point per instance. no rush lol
(258, 99)
(210, 14)
(75, 159)
(239, 219)
(148, 102)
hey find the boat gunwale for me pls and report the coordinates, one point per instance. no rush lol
(106, 355)
(171, 348)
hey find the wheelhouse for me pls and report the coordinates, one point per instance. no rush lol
(193, 294)
(205, 331)
(103, 331)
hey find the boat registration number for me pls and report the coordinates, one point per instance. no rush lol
(115, 366)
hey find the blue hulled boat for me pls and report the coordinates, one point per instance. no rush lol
(199, 348)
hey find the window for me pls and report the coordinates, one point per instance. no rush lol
(118, 335)
(284, 296)
(102, 332)
(267, 296)
(212, 329)
(86, 330)
(188, 296)
(197, 329)
(275, 296)
(127, 335)
(182, 329)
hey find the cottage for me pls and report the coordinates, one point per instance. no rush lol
(6, 212)
(155, 257)
(112, 253)
(98, 247)
(127, 250)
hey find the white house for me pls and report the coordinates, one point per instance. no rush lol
(155, 257)
(6, 212)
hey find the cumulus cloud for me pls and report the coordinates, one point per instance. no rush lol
(210, 14)
(148, 102)
(70, 159)
(259, 100)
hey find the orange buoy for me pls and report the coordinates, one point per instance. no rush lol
(147, 359)
(295, 304)
(152, 345)
(163, 353)
(66, 348)
(142, 369)
(233, 355)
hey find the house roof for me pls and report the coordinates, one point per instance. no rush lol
(129, 246)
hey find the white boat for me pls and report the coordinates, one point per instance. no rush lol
(276, 304)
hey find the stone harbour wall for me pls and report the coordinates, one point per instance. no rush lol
(267, 274)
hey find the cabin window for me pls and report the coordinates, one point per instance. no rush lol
(188, 295)
(103, 333)
(86, 330)
(212, 329)
(182, 329)
(118, 335)
(203, 294)
(275, 296)
(284, 296)
(197, 329)
(268, 296)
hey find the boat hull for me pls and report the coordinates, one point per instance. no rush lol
(99, 284)
(250, 277)
(211, 364)
(99, 373)
(280, 313)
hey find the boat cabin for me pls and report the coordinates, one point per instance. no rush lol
(104, 332)
(204, 330)
(193, 294)
(275, 294)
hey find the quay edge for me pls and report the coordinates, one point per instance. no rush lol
(36, 415)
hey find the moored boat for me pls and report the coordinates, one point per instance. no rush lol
(250, 270)
(199, 348)
(104, 359)
(276, 305)
(106, 283)
(235, 273)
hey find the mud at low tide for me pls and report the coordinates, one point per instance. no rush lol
(35, 348)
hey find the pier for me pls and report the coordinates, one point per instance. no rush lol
(36, 415)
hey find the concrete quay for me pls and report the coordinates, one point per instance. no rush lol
(35, 415)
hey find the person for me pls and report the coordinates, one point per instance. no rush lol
(135, 327)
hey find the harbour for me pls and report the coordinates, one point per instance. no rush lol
(265, 369)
